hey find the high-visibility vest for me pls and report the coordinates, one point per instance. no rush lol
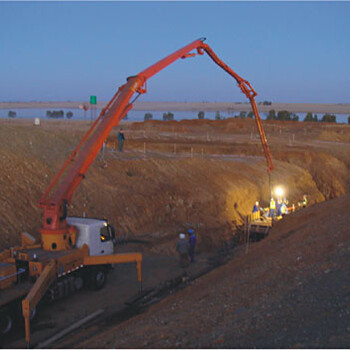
(283, 208)
(272, 204)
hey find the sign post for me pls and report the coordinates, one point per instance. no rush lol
(93, 102)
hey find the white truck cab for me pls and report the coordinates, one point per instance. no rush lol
(95, 233)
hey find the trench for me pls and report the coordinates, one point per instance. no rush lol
(141, 302)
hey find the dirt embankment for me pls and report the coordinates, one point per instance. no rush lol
(320, 148)
(155, 197)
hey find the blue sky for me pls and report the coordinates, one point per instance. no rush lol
(289, 51)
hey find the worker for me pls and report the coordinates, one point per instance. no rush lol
(278, 207)
(192, 242)
(183, 248)
(284, 209)
(121, 139)
(272, 208)
(304, 201)
(256, 207)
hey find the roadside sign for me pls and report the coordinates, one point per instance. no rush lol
(93, 100)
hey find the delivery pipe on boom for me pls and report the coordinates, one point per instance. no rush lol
(55, 232)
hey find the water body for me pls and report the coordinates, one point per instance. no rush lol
(79, 114)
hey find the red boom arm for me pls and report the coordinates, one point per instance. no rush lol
(55, 206)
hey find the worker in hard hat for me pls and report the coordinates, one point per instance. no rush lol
(284, 209)
(256, 207)
(304, 201)
(192, 242)
(256, 211)
(278, 207)
(183, 248)
(272, 208)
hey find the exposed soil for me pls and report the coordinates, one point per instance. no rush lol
(207, 175)
(290, 291)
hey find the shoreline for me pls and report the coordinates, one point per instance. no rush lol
(340, 108)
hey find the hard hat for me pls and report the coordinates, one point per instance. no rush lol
(182, 236)
(256, 203)
(190, 231)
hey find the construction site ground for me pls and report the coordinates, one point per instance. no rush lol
(289, 290)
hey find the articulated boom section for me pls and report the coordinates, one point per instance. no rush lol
(55, 233)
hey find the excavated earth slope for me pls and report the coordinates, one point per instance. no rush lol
(290, 291)
(156, 195)
(152, 196)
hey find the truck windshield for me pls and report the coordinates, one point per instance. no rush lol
(106, 233)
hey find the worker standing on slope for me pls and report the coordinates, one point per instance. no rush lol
(121, 139)
(192, 242)
(272, 208)
(183, 248)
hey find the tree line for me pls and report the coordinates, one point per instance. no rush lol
(58, 114)
(272, 115)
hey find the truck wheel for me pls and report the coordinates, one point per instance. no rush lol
(98, 278)
(6, 321)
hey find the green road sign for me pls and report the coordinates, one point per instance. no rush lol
(93, 100)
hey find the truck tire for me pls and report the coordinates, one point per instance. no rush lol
(98, 277)
(6, 321)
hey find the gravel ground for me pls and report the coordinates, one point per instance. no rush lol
(290, 291)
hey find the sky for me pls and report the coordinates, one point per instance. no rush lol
(288, 51)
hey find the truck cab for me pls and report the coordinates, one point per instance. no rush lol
(97, 234)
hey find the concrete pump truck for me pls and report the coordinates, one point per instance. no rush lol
(74, 251)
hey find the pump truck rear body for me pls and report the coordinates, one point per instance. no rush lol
(77, 251)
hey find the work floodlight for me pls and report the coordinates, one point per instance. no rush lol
(279, 191)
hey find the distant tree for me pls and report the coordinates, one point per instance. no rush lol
(294, 117)
(349, 119)
(315, 119)
(283, 115)
(12, 114)
(267, 103)
(148, 116)
(201, 115)
(250, 115)
(217, 115)
(271, 115)
(55, 114)
(242, 114)
(329, 118)
(168, 116)
(308, 117)
(69, 114)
